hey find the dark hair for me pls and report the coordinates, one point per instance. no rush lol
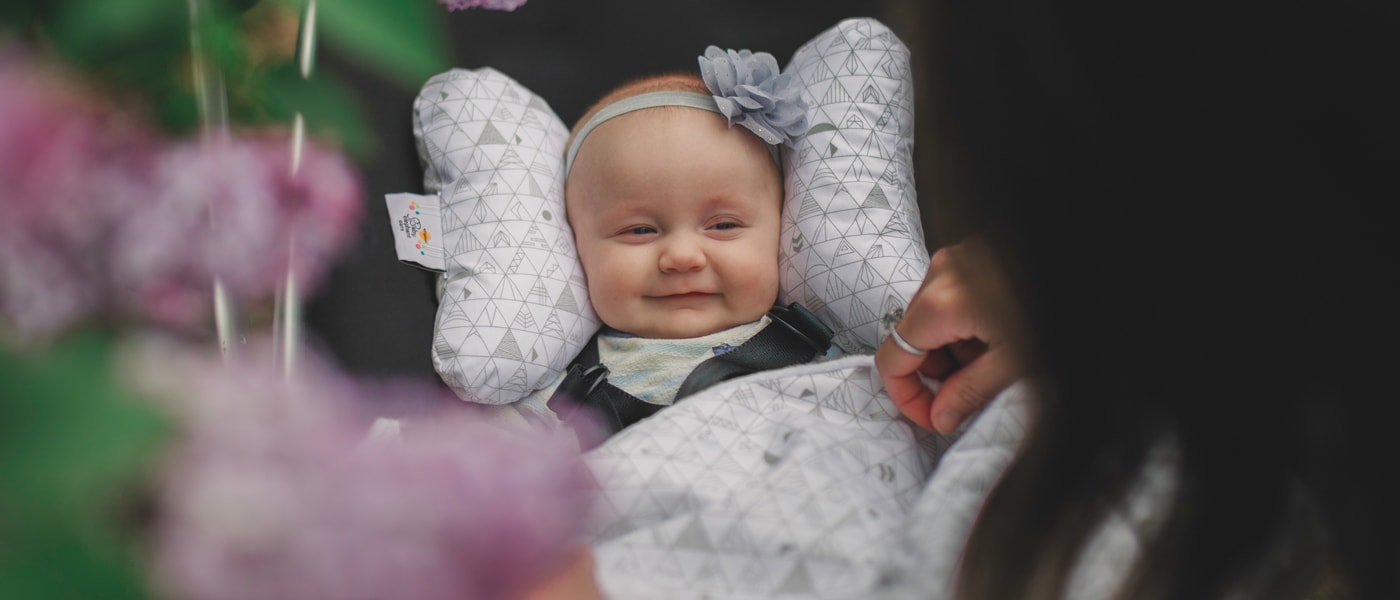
(1188, 197)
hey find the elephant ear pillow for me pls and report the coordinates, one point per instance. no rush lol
(852, 245)
(514, 307)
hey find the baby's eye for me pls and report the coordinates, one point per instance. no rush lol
(639, 230)
(725, 225)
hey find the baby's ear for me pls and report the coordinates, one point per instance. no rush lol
(513, 306)
(852, 244)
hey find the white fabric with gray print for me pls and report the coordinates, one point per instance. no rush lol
(852, 246)
(795, 483)
(803, 483)
(514, 306)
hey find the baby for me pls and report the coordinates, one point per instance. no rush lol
(676, 216)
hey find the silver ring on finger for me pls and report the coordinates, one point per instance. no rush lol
(891, 321)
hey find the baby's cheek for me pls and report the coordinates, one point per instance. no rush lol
(764, 279)
(603, 300)
(607, 313)
(597, 290)
(760, 288)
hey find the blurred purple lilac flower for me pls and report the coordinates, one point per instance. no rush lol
(321, 205)
(209, 216)
(276, 493)
(67, 171)
(100, 219)
(232, 209)
(507, 5)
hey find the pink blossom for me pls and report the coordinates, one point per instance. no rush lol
(66, 170)
(275, 493)
(102, 220)
(210, 214)
(234, 209)
(321, 204)
(507, 5)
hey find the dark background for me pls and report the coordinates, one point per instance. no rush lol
(375, 315)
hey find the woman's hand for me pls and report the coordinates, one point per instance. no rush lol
(962, 315)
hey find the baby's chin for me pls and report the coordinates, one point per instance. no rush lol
(681, 327)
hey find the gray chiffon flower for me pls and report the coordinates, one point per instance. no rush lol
(751, 91)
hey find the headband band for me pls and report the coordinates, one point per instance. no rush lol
(643, 101)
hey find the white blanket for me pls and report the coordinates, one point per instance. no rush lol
(798, 483)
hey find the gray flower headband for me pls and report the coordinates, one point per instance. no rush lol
(747, 88)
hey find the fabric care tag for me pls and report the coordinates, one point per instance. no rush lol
(417, 230)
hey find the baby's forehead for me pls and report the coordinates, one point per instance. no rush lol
(665, 148)
(659, 119)
(630, 134)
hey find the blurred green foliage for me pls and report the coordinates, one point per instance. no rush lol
(320, 99)
(17, 11)
(140, 50)
(76, 455)
(402, 40)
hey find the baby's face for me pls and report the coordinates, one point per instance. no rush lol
(676, 217)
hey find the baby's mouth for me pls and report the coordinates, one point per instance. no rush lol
(685, 296)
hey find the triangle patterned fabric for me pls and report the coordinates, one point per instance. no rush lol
(793, 483)
(857, 83)
(486, 142)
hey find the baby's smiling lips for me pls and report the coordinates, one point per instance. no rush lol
(684, 296)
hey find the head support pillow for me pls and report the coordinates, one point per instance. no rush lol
(513, 307)
(514, 310)
(852, 245)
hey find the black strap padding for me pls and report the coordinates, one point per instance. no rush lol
(793, 336)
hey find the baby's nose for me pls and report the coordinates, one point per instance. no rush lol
(682, 253)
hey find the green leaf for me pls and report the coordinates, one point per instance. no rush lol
(239, 6)
(139, 48)
(76, 451)
(94, 32)
(222, 42)
(66, 428)
(178, 110)
(65, 563)
(328, 105)
(402, 40)
(17, 14)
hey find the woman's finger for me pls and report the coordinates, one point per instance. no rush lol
(970, 388)
(966, 351)
(900, 370)
(938, 364)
